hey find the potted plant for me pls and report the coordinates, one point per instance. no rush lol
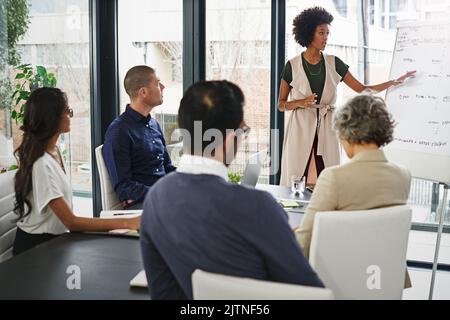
(28, 79)
(15, 19)
(10, 168)
(234, 177)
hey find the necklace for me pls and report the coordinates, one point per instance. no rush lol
(313, 74)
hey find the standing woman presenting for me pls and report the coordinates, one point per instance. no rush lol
(311, 78)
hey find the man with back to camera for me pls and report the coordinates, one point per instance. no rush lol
(195, 219)
(135, 151)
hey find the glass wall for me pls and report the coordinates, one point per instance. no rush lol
(383, 17)
(58, 39)
(343, 39)
(151, 33)
(238, 50)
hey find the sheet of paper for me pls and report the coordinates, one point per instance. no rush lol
(289, 203)
(140, 280)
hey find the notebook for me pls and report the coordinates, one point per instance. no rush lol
(120, 213)
(289, 205)
(140, 280)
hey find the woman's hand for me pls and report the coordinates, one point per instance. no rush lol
(402, 79)
(312, 99)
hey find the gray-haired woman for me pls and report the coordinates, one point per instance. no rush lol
(368, 180)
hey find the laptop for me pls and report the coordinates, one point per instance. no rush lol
(253, 168)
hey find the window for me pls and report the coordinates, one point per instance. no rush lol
(151, 33)
(341, 7)
(342, 42)
(238, 50)
(58, 39)
(52, 6)
(372, 12)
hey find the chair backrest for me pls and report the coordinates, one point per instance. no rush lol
(7, 217)
(109, 196)
(362, 254)
(212, 286)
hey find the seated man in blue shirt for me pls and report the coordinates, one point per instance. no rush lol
(195, 219)
(135, 152)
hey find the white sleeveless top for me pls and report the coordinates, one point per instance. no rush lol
(302, 124)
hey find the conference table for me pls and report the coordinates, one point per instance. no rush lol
(90, 265)
(280, 193)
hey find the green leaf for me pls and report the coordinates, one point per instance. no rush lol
(41, 71)
(24, 95)
(13, 167)
(13, 114)
(20, 76)
(23, 66)
(234, 177)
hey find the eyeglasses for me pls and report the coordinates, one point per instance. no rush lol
(69, 111)
(246, 129)
(243, 131)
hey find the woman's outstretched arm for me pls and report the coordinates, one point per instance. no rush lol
(357, 86)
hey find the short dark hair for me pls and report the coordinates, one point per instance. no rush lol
(136, 78)
(217, 104)
(306, 22)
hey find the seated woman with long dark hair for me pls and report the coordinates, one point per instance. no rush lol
(43, 191)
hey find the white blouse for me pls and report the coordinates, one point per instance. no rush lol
(49, 182)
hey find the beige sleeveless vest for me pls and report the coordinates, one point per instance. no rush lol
(302, 124)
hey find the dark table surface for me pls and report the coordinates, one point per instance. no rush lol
(106, 264)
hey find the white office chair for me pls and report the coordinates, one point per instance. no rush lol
(7, 217)
(109, 196)
(362, 254)
(212, 286)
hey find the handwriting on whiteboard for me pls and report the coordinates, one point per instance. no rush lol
(421, 106)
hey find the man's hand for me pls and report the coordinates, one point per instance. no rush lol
(125, 203)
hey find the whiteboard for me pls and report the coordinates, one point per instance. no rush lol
(421, 106)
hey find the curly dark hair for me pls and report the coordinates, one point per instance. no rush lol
(306, 22)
